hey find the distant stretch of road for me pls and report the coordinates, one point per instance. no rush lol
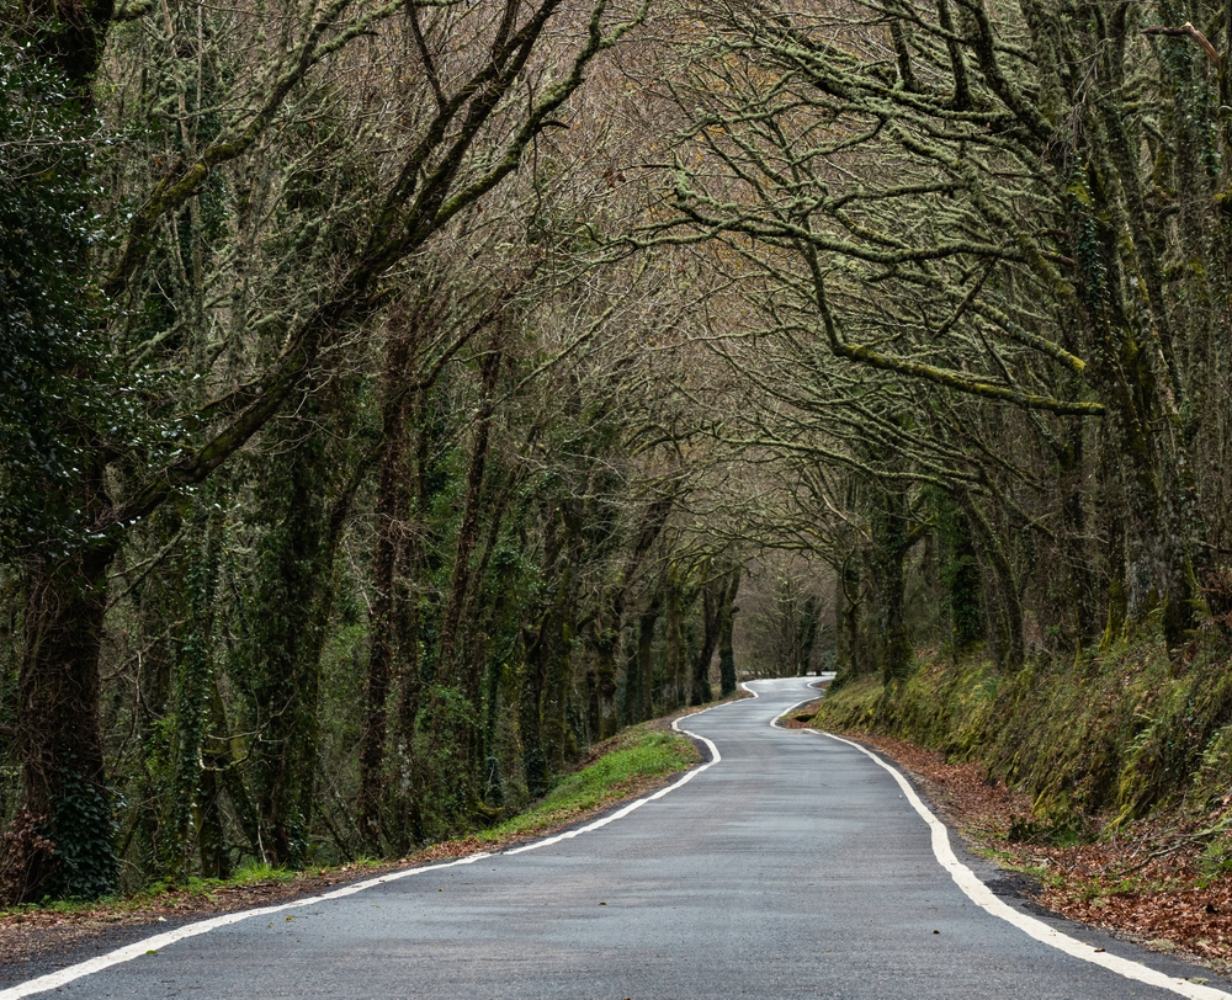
(794, 866)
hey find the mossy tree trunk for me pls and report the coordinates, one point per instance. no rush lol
(727, 655)
(391, 509)
(960, 575)
(62, 842)
(891, 538)
(713, 593)
(639, 663)
(284, 667)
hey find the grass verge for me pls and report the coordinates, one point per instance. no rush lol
(631, 763)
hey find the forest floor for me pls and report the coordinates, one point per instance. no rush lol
(1151, 882)
(637, 760)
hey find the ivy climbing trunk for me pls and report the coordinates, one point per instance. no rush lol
(62, 844)
(193, 682)
(286, 640)
(393, 495)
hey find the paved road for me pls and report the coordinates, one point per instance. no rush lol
(795, 867)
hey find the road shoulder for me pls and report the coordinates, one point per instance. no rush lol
(38, 940)
(978, 813)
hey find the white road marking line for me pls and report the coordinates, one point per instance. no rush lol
(624, 811)
(967, 881)
(979, 893)
(156, 942)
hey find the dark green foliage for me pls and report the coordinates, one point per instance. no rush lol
(194, 678)
(57, 387)
(192, 317)
(81, 832)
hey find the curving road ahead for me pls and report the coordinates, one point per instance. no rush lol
(794, 867)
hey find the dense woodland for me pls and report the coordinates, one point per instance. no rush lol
(399, 398)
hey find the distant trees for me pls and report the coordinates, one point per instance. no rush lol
(984, 246)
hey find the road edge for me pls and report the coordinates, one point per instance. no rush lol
(163, 939)
(979, 892)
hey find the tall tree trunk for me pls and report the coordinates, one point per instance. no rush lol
(64, 847)
(848, 601)
(158, 599)
(639, 665)
(392, 508)
(1130, 375)
(536, 705)
(287, 642)
(611, 630)
(712, 610)
(1005, 623)
(807, 629)
(960, 576)
(530, 712)
(727, 655)
(468, 529)
(676, 651)
(229, 752)
(62, 841)
(1080, 580)
(890, 541)
(193, 681)
(456, 732)
(64, 835)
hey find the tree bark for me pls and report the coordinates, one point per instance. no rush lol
(639, 665)
(65, 806)
(890, 542)
(295, 570)
(391, 509)
(727, 655)
(713, 595)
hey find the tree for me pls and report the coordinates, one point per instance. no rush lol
(471, 140)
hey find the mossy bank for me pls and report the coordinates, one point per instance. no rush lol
(1119, 733)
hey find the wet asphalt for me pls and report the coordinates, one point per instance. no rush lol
(794, 867)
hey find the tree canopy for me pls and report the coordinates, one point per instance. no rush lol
(399, 398)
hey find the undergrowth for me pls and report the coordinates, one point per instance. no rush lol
(632, 760)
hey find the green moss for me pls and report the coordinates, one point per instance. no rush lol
(641, 755)
(1121, 731)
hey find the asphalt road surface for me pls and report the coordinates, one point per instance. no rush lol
(794, 867)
